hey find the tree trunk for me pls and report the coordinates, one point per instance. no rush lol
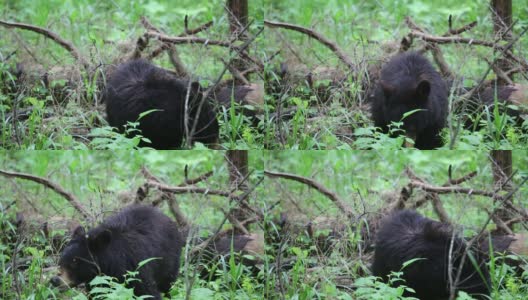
(238, 15)
(501, 11)
(238, 168)
(237, 12)
(237, 161)
(501, 164)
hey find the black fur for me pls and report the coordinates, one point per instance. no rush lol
(138, 86)
(119, 244)
(407, 235)
(408, 82)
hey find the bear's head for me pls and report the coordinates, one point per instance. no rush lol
(79, 260)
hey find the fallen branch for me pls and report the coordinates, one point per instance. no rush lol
(186, 189)
(451, 189)
(53, 36)
(53, 186)
(331, 45)
(319, 187)
(452, 39)
(187, 40)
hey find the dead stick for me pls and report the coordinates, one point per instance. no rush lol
(52, 35)
(461, 179)
(316, 185)
(51, 185)
(197, 29)
(331, 45)
(461, 29)
(197, 179)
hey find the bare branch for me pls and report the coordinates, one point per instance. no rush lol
(316, 185)
(319, 37)
(53, 186)
(53, 36)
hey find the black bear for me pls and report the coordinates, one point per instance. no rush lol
(137, 86)
(407, 235)
(409, 82)
(119, 244)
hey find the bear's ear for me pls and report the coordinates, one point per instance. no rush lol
(422, 90)
(78, 233)
(99, 238)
